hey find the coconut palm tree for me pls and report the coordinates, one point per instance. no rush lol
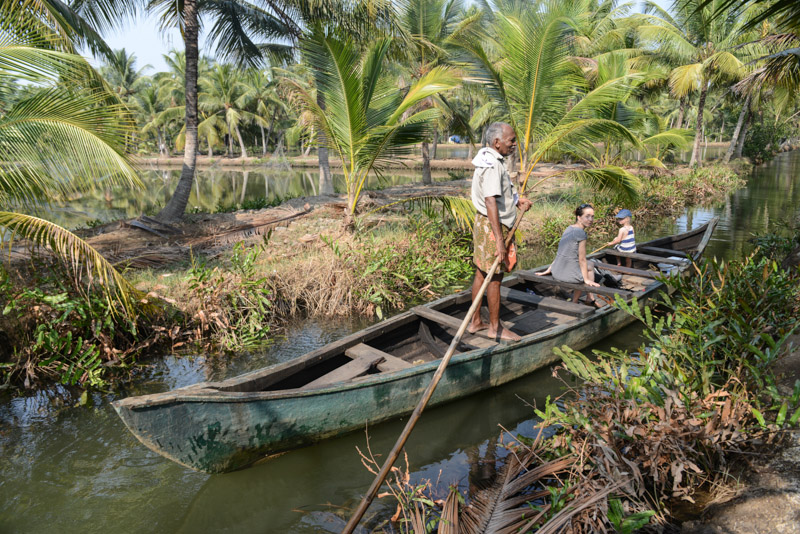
(149, 108)
(704, 46)
(525, 63)
(367, 121)
(121, 73)
(262, 98)
(66, 135)
(223, 94)
(428, 25)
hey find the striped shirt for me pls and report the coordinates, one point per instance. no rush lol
(629, 243)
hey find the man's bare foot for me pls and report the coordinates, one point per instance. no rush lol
(505, 334)
(472, 328)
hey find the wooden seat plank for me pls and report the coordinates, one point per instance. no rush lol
(390, 363)
(602, 290)
(546, 303)
(659, 251)
(353, 369)
(644, 273)
(644, 257)
(447, 320)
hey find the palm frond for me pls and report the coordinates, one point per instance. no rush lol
(59, 142)
(460, 208)
(609, 178)
(505, 506)
(86, 263)
(435, 81)
(686, 79)
(676, 137)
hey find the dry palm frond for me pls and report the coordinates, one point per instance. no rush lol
(237, 233)
(504, 507)
(449, 521)
(152, 259)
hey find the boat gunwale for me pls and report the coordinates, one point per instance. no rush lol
(209, 392)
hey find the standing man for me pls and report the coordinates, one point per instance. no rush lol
(496, 200)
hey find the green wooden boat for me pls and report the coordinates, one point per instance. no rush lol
(379, 373)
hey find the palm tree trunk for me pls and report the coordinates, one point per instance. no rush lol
(742, 135)
(737, 130)
(210, 148)
(271, 125)
(263, 141)
(681, 113)
(325, 179)
(699, 128)
(176, 206)
(241, 141)
(426, 164)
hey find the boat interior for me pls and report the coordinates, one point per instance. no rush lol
(529, 303)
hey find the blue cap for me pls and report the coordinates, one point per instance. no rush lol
(623, 213)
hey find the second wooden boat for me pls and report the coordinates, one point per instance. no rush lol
(379, 373)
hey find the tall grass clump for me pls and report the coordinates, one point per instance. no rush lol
(422, 259)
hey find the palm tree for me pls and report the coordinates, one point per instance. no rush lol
(148, 106)
(526, 66)
(120, 72)
(224, 95)
(66, 135)
(704, 46)
(428, 24)
(367, 122)
(261, 95)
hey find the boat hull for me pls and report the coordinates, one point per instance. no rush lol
(216, 432)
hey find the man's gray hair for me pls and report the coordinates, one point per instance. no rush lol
(494, 131)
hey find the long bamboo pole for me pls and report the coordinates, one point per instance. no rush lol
(426, 396)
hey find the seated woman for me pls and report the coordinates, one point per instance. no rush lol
(570, 264)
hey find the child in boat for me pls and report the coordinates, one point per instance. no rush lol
(626, 239)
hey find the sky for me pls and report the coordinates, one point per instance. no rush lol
(142, 38)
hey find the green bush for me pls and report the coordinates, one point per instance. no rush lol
(60, 332)
(763, 140)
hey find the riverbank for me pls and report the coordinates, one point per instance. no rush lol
(229, 281)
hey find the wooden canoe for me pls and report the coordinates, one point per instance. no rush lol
(379, 373)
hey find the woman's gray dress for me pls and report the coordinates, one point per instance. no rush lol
(566, 267)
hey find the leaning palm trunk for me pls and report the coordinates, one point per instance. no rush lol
(743, 135)
(241, 141)
(699, 128)
(737, 131)
(263, 141)
(176, 206)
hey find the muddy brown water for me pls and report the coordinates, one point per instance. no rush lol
(69, 469)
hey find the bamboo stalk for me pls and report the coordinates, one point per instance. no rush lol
(426, 396)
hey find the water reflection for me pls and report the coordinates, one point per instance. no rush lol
(215, 189)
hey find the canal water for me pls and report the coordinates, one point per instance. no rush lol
(76, 469)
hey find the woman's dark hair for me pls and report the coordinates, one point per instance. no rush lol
(580, 209)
